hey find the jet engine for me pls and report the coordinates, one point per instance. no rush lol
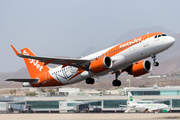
(100, 64)
(139, 68)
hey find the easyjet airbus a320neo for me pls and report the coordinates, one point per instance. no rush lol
(125, 57)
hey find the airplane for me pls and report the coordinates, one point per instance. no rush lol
(125, 57)
(133, 105)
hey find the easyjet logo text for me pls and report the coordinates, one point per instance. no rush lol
(34, 62)
(131, 42)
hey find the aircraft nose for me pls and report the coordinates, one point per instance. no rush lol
(170, 41)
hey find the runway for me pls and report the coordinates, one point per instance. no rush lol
(92, 116)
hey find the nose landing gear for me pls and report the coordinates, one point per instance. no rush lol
(154, 59)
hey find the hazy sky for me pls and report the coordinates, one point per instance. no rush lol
(69, 27)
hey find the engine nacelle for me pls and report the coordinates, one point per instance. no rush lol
(101, 64)
(140, 68)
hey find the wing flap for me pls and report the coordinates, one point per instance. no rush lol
(23, 80)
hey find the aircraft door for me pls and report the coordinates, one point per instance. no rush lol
(132, 48)
(47, 77)
(145, 40)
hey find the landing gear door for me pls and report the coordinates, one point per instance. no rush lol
(145, 40)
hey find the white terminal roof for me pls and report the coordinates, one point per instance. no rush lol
(153, 89)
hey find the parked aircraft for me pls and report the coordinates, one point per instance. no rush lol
(125, 57)
(133, 105)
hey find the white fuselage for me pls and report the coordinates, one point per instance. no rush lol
(139, 51)
(148, 107)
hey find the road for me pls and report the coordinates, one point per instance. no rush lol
(92, 116)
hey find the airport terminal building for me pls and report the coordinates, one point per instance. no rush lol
(101, 103)
(155, 90)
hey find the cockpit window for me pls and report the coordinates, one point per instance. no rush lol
(164, 35)
(159, 35)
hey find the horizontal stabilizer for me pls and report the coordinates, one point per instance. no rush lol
(23, 80)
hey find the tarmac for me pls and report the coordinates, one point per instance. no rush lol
(92, 116)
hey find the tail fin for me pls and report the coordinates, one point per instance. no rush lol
(131, 99)
(34, 66)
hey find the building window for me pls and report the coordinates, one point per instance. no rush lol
(43, 104)
(176, 103)
(72, 104)
(95, 103)
(136, 93)
(114, 103)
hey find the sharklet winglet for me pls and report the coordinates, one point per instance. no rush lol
(17, 53)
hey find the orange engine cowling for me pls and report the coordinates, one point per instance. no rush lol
(101, 64)
(140, 68)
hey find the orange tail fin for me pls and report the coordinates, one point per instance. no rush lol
(34, 67)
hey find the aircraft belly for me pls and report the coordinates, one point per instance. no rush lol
(63, 75)
(75, 79)
(119, 62)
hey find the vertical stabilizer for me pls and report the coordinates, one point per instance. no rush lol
(131, 99)
(34, 67)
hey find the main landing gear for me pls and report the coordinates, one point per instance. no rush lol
(116, 82)
(90, 81)
(154, 59)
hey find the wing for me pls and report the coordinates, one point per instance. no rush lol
(127, 110)
(153, 109)
(61, 61)
(23, 80)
